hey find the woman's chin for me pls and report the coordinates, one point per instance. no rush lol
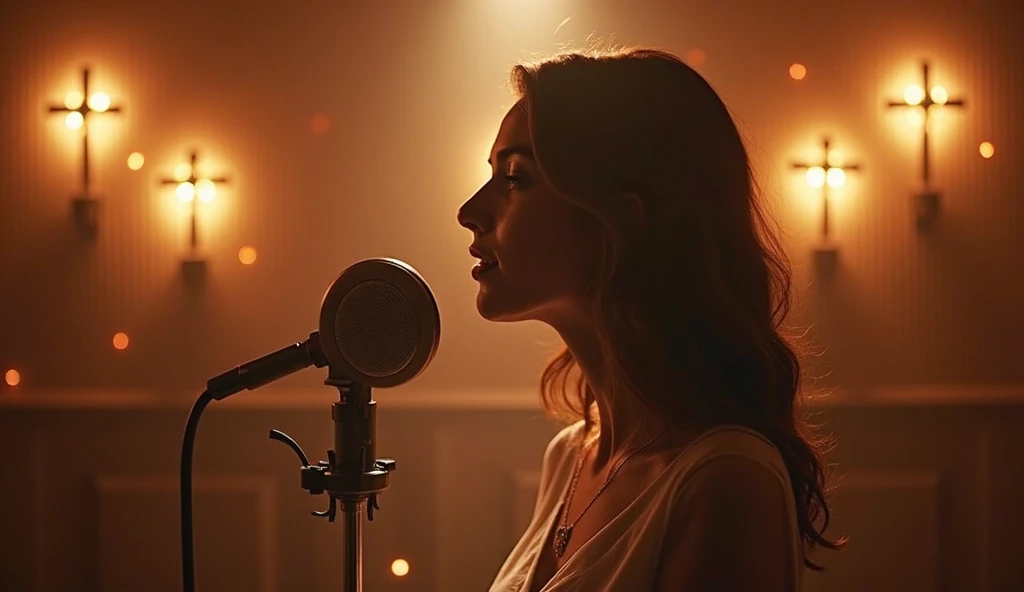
(492, 308)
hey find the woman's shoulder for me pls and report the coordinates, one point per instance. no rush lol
(564, 444)
(732, 438)
(730, 444)
(559, 454)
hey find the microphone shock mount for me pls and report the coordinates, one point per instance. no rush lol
(351, 476)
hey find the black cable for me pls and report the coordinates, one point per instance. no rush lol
(188, 441)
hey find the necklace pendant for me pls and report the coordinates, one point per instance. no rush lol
(561, 540)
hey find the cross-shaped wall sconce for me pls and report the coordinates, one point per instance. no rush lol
(78, 107)
(191, 188)
(922, 99)
(828, 173)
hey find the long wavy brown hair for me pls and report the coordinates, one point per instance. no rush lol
(690, 308)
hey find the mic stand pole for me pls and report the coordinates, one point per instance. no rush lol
(352, 475)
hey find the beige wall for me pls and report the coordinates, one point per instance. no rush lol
(414, 92)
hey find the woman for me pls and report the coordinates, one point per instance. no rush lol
(622, 213)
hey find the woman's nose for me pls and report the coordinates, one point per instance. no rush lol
(465, 221)
(472, 216)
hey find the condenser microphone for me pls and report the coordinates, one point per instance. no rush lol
(379, 326)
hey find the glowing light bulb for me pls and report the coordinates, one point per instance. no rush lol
(939, 95)
(915, 118)
(120, 340)
(986, 149)
(797, 71)
(206, 190)
(835, 177)
(186, 191)
(12, 377)
(73, 100)
(913, 94)
(136, 160)
(74, 120)
(400, 567)
(816, 176)
(182, 172)
(247, 255)
(99, 102)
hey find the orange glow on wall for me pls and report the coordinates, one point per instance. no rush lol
(136, 161)
(797, 71)
(12, 377)
(120, 341)
(320, 124)
(400, 567)
(247, 255)
(696, 57)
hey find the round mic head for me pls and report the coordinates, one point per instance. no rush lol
(379, 323)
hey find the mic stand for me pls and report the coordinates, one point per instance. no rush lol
(351, 475)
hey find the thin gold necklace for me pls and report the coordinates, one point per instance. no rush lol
(564, 531)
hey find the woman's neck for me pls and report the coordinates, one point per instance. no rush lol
(624, 423)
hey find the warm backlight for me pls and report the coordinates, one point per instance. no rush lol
(915, 117)
(185, 191)
(12, 377)
(182, 172)
(913, 95)
(73, 100)
(817, 177)
(74, 120)
(835, 177)
(206, 190)
(120, 340)
(247, 255)
(99, 102)
(400, 567)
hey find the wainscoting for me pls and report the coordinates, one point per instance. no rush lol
(931, 491)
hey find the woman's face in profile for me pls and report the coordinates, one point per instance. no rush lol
(545, 247)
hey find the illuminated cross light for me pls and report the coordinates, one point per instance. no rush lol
(190, 188)
(829, 173)
(920, 100)
(78, 107)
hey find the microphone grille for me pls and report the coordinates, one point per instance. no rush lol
(376, 329)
